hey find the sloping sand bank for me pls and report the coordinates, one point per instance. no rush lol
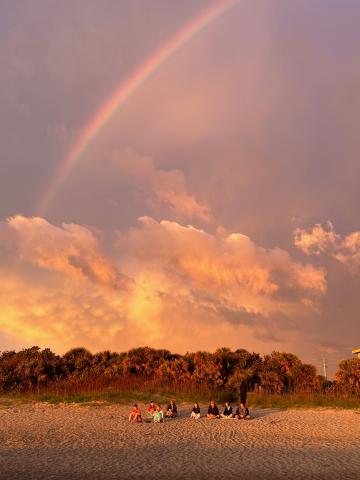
(70, 442)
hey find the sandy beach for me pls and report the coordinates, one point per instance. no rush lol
(61, 442)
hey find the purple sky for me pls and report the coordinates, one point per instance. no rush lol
(196, 207)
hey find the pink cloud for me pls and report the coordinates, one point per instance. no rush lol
(161, 188)
(71, 249)
(222, 267)
(60, 290)
(318, 240)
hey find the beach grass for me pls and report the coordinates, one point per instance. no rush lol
(303, 400)
(109, 397)
(162, 396)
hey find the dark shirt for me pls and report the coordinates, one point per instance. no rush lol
(213, 410)
(242, 411)
(172, 407)
(196, 409)
(227, 411)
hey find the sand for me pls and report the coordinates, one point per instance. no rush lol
(63, 442)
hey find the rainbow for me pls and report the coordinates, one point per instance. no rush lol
(125, 90)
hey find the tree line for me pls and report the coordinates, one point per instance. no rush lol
(276, 373)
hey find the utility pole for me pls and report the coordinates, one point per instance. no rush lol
(325, 368)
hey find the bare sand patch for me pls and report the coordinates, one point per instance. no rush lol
(63, 442)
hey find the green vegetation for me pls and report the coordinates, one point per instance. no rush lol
(112, 397)
(278, 380)
(255, 400)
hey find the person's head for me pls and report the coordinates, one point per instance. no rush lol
(212, 403)
(172, 402)
(196, 404)
(242, 405)
(152, 404)
(158, 408)
(135, 405)
(227, 404)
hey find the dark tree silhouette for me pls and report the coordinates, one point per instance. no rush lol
(239, 370)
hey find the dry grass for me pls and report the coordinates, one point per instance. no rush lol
(127, 390)
(304, 400)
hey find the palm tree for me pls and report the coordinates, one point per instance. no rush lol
(242, 379)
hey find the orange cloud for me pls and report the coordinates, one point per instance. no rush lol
(60, 311)
(162, 187)
(318, 240)
(349, 253)
(71, 249)
(222, 269)
(59, 289)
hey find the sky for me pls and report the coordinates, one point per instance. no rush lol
(217, 206)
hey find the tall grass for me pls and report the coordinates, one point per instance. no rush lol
(123, 390)
(100, 390)
(304, 400)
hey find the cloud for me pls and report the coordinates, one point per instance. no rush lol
(319, 240)
(221, 271)
(60, 290)
(71, 249)
(316, 240)
(349, 253)
(161, 188)
(258, 111)
(60, 311)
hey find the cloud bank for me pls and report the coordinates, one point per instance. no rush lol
(60, 289)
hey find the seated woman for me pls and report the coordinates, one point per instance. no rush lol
(135, 414)
(158, 415)
(195, 412)
(150, 411)
(213, 411)
(171, 411)
(242, 412)
(228, 411)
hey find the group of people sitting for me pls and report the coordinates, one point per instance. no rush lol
(241, 413)
(155, 413)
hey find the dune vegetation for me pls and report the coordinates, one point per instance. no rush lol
(279, 379)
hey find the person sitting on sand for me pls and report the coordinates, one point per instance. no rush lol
(228, 411)
(151, 409)
(195, 412)
(242, 412)
(158, 415)
(135, 414)
(213, 411)
(150, 412)
(171, 411)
